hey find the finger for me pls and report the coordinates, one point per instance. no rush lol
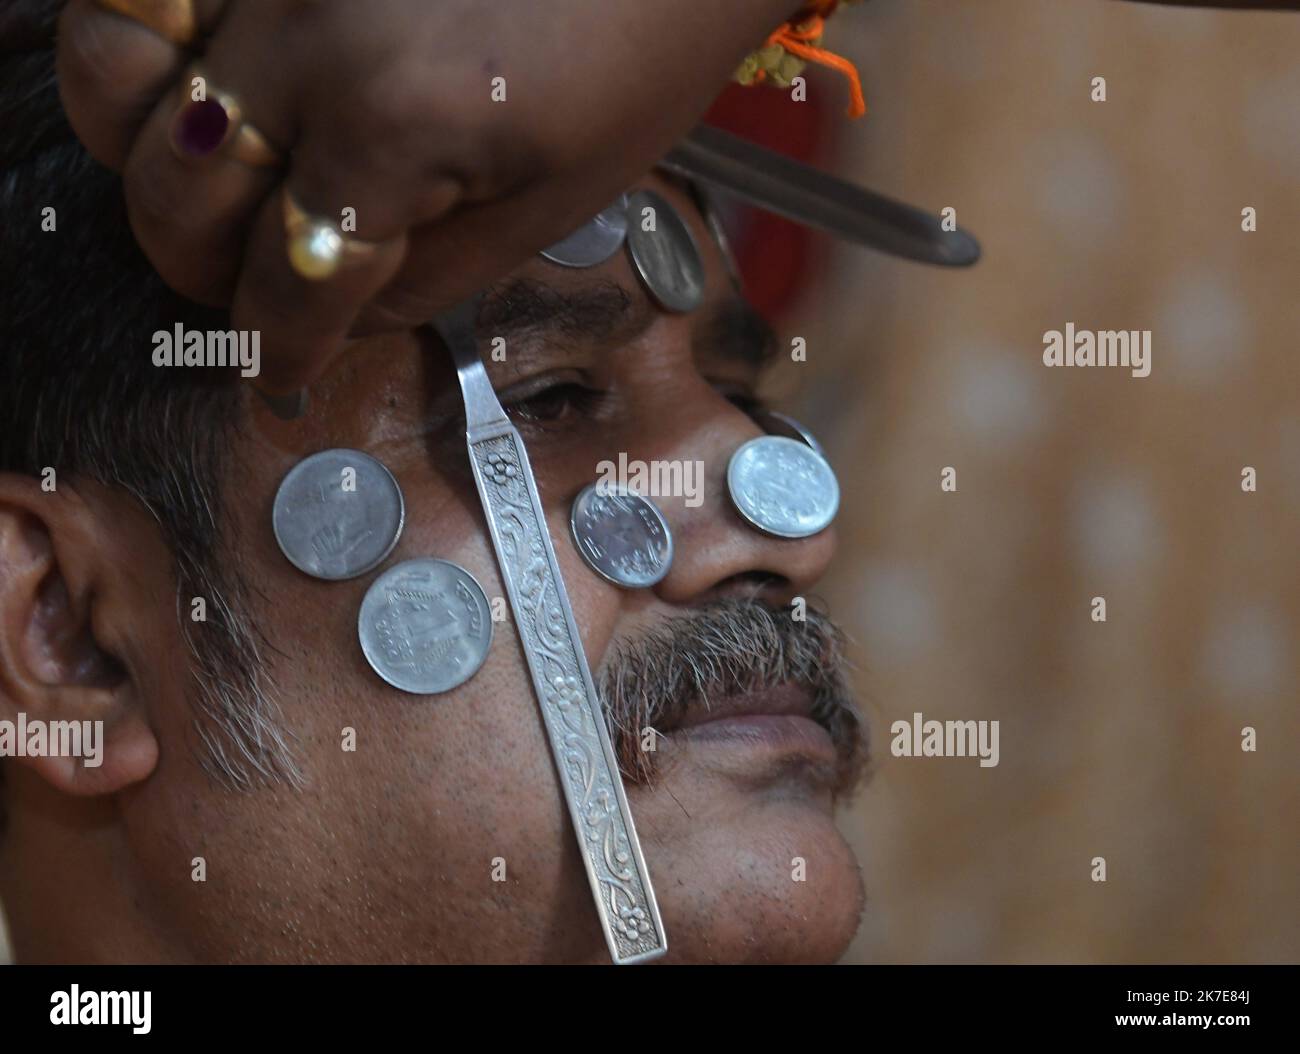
(364, 170)
(445, 262)
(211, 152)
(111, 72)
(191, 212)
(385, 151)
(302, 323)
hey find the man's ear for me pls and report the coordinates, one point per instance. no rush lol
(52, 669)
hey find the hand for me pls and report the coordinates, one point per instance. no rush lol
(386, 108)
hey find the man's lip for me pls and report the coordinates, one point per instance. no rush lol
(777, 701)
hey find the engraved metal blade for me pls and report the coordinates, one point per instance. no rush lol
(571, 710)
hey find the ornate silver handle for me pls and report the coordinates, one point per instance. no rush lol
(571, 711)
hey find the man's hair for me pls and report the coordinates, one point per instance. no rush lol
(79, 392)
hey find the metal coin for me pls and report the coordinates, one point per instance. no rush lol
(425, 626)
(595, 241)
(707, 201)
(338, 514)
(622, 536)
(666, 258)
(783, 487)
(783, 425)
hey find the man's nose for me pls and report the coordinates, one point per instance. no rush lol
(716, 552)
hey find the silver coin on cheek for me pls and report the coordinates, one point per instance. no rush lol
(666, 258)
(338, 514)
(595, 241)
(622, 536)
(783, 487)
(425, 626)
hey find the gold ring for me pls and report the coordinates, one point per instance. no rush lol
(211, 121)
(316, 247)
(173, 19)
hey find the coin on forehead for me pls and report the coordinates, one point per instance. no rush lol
(783, 487)
(666, 257)
(338, 514)
(425, 626)
(622, 536)
(595, 241)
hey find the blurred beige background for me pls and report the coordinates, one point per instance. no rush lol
(1122, 739)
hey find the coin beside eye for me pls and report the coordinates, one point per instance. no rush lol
(338, 514)
(622, 536)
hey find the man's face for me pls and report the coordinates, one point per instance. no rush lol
(395, 850)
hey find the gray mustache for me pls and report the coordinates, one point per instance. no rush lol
(728, 647)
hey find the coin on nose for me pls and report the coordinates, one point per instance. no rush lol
(783, 487)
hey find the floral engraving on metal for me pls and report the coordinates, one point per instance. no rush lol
(570, 705)
(571, 711)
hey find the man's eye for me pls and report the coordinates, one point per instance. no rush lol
(553, 404)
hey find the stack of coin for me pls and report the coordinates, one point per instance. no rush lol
(424, 625)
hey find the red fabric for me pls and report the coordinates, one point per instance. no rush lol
(778, 259)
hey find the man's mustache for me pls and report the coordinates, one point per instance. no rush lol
(724, 648)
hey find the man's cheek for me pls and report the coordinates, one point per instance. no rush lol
(462, 784)
(446, 811)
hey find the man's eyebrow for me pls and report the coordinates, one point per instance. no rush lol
(604, 313)
(734, 331)
(601, 312)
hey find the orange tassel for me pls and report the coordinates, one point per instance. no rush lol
(798, 37)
